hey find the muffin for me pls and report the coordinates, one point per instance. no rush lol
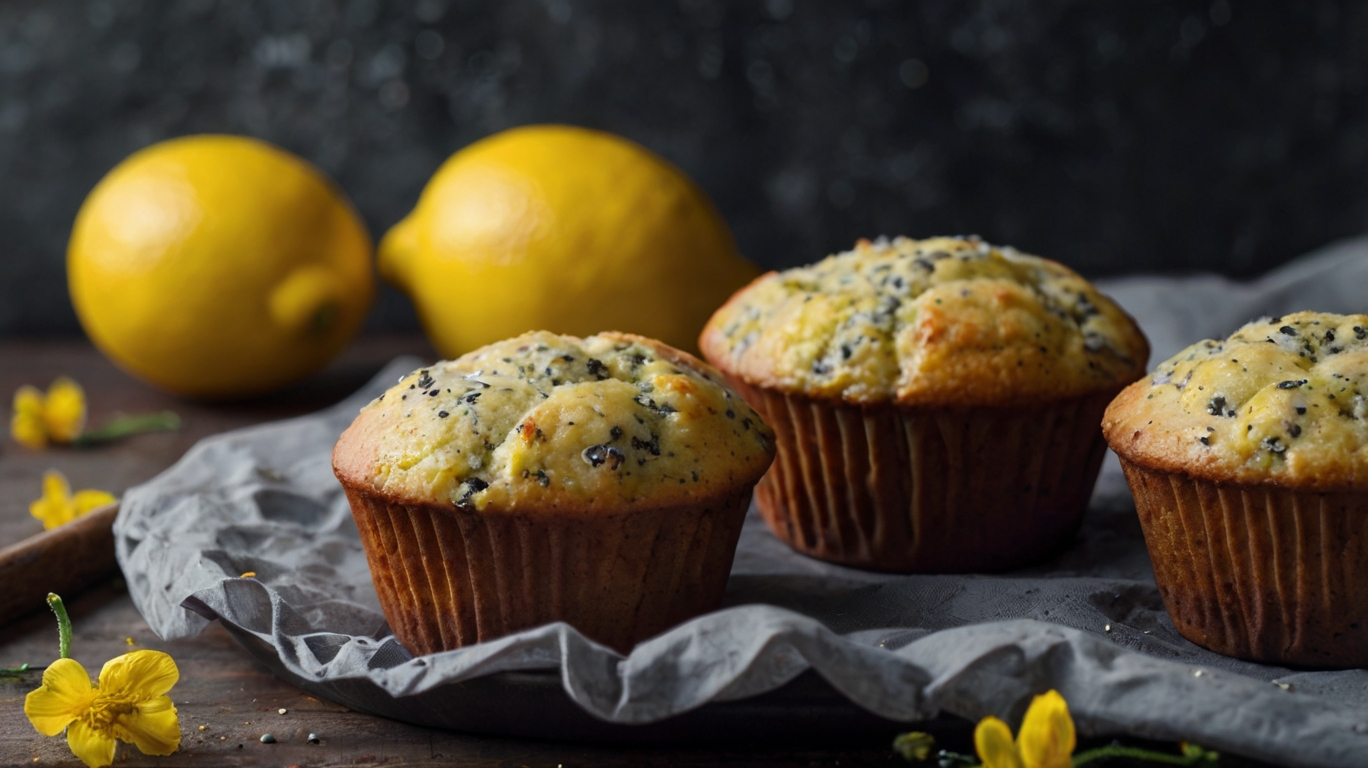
(599, 481)
(936, 402)
(1248, 459)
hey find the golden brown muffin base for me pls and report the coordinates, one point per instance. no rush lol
(1259, 572)
(449, 577)
(912, 490)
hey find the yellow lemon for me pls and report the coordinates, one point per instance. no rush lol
(219, 266)
(564, 229)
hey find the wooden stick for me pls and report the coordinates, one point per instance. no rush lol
(65, 560)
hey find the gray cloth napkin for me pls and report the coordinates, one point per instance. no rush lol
(1089, 623)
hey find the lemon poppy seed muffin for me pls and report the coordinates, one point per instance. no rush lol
(598, 481)
(1248, 459)
(936, 401)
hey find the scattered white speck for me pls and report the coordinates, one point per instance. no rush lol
(1284, 686)
(1107, 628)
(1197, 673)
(282, 710)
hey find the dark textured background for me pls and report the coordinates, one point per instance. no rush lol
(1116, 137)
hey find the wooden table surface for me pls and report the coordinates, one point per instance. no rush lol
(225, 699)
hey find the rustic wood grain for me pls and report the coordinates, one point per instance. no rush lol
(65, 560)
(237, 701)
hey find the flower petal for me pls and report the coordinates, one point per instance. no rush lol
(66, 694)
(55, 487)
(154, 727)
(142, 675)
(94, 748)
(993, 742)
(85, 501)
(28, 401)
(28, 430)
(1047, 735)
(55, 507)
(65, 410)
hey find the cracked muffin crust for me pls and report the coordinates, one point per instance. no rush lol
(943, 321)
(551, 421)
(1282, 400)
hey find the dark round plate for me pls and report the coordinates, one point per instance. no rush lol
(535, 705)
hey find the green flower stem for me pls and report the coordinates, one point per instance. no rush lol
(14, 671)
(917, 746)
(63, 625)
(1190, 756)
(126, 426)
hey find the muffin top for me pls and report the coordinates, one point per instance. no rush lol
(949, 321)
(547, 423)
(1282, 401)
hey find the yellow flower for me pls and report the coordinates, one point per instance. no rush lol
(59, 416)
(129, 704)
(1046, 739)
(58, 506)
